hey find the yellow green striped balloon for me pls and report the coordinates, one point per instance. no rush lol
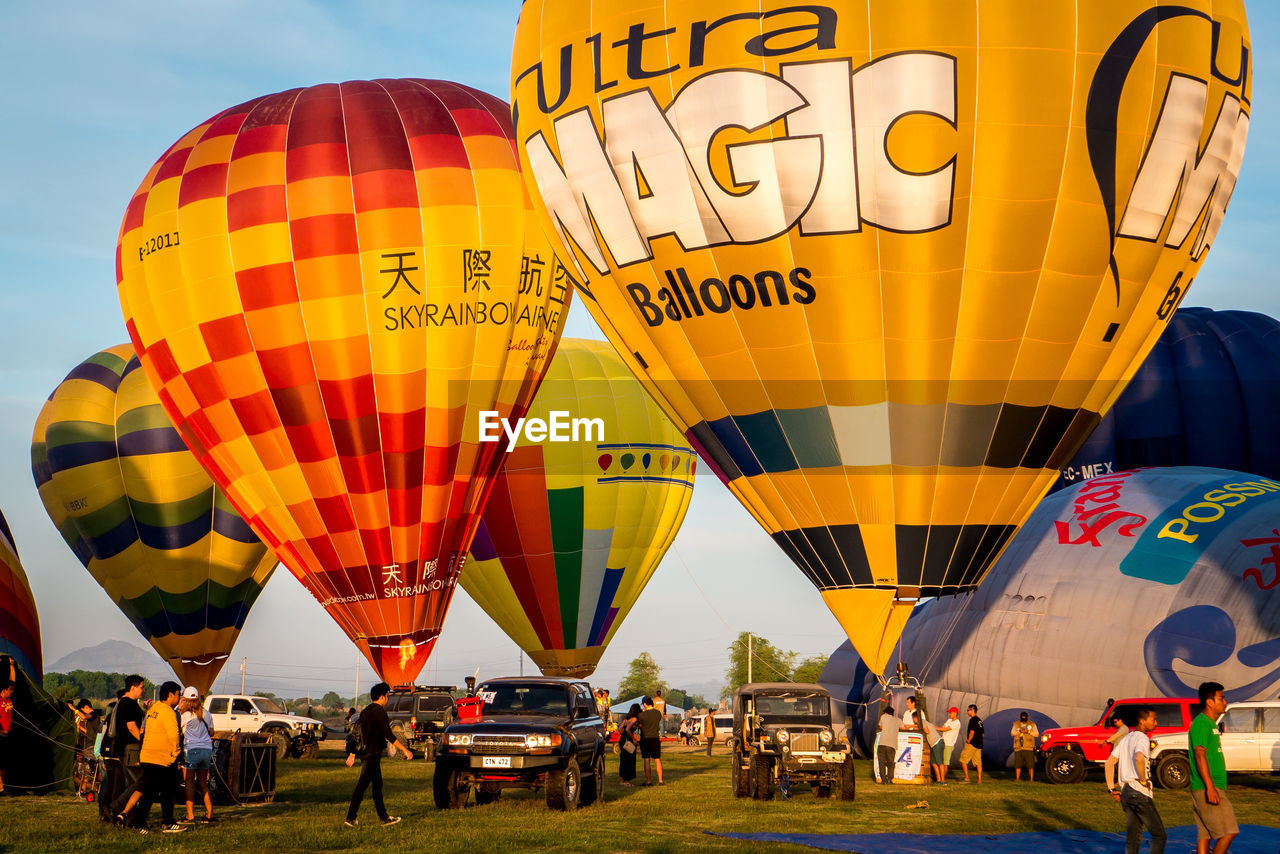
(142, 516)
(574, 530)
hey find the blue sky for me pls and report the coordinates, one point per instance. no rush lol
(95, 92)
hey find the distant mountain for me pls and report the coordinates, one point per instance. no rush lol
(114, 656)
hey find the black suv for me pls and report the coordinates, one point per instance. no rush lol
(783, 733)
(534, 732)
(420, 714)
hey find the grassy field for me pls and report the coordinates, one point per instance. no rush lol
(311, 801)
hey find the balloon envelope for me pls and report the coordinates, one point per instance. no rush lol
(883, 263)
(19, 621)
(142, 516)
(574, 530)
(328, 286)
(1138, 584)
(1207, 395)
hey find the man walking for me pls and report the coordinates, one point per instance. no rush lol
(1136, 796)
(887, 752)
(650, 740)
(709, 728)
(1024, 734)
(128, 745)
(1215, 818)
(973, 744)
(376, 728)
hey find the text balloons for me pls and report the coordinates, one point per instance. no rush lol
(1208, 394)
(327, 286)
(574, 529)
(884, 263)
(19, 621)
(142, 516)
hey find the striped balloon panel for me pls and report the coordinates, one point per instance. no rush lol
(574, 530)
(885, 264)
(142, 516)
(327, 286)
(19, 622)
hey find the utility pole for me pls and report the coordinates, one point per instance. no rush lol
(522, 662)
(244, 665)
(356, 699)
(749, 679)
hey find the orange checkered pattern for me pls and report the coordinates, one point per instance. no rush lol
(326, 286)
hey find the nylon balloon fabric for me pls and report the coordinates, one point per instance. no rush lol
(574, 530)
(142, 516)
(19, 620)
(1207, 395)
(327, 286)
(884, 264)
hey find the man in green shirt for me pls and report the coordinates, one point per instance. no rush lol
(1215, 819)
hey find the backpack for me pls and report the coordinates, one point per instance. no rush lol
(108, 749)
(355, 736)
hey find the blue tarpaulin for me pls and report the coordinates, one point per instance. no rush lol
(1253, 839)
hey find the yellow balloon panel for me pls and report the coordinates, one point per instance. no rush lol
(575, 528)
(885, 264)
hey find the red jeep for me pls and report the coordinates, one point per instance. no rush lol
(1068, 751)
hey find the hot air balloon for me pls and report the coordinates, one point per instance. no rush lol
(574, 530)
(19, 622)
(328, 286)
(142, 516)
(1207, 395)
(1135, 584)
(885, 265)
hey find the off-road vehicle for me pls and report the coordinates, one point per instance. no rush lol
(293, 735)
(1250, 743)
(783, 735)
(1069, 751)
(534, 733)
(419, 714)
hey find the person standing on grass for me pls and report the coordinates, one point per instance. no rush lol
(158, 755)
(629, 744)
(1137, 798)
(128, 744)
(6, 724)
(651, 739)
(887, 752)
(933, 749)
(197, 749)
(972, 744)
(1024, 734)
(1109, 767)
(661, 705)
(1215, 817)
(376, 727)
(709, 728)
(950, 734)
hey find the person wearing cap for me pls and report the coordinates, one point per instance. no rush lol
(1024, 734)
(197, 759)
(950, 730)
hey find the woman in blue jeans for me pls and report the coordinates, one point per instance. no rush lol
(197, 755)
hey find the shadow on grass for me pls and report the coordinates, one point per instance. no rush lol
(1039, 816)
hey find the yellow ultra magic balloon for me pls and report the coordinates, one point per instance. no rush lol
(885, 263)
(574, 530)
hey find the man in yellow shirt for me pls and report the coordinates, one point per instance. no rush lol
(159, 754)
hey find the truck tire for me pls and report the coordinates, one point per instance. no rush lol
(280, 738)
(564, 787)
(848, 782)
(449, 795)
(761, 778)
(593, 787)
(1173, 771)
(1064, 765)
(740, 777)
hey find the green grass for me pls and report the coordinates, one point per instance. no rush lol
(311, 801)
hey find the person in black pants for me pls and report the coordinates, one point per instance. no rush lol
(376, 728)
(128, 744)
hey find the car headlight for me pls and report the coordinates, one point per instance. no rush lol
(825, 736)
(783, 736)
(458, 739)
(1044, 738)
(533, 742)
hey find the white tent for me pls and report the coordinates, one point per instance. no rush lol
(625, 706)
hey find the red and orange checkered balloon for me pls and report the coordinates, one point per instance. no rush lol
(327, 286)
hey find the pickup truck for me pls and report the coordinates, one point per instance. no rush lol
(1069, 751)
(1250, 743)
(533, 733)
(294, 736)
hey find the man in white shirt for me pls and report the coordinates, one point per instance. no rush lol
(950, 732)
(910, 718)
(1136, 796)
(1113, 758)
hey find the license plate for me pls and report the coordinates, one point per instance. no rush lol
(496, 762)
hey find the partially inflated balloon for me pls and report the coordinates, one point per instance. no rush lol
(142, 516)
(19, 622)
(885, 263)
(328, 286)
(574, 530)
